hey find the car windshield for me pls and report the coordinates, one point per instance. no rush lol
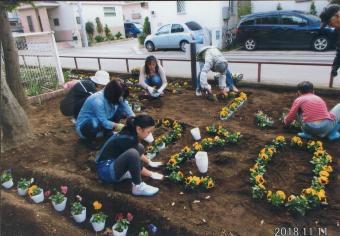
(314, 18)
(138, 25)
(193, 26)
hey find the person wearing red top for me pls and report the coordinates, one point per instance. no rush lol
(313, 114)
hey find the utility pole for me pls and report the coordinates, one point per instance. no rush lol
(84, 41)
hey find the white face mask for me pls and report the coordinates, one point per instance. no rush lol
(121, 99)
(149, 138)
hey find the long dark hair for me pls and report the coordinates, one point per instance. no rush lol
(143, 121)
(114, 90)
(148, 61)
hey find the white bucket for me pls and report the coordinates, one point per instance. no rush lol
(22, 191)
(116, 233)
(38, 198)
(202, 161)
(196, 134)
(8, 184)
(80, 217)
(61, 206)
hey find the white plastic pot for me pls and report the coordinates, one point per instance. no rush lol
(80, 217)
(22, 191)
(38, 198)
(116, 233)
(202, 161)
(61, 206)
(161, 147)
(196, 134)
(151, 155)
(97, 226)
(8, 184)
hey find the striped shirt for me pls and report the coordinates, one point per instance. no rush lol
(313, 108)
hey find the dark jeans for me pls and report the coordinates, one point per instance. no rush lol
(154, 80)
(110, 171)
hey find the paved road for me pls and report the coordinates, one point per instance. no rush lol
(278, 74)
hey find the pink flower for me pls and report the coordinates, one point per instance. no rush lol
(47, 193)
(129, 216)
(63, 189)
(119, 216)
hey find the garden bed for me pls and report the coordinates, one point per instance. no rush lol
(55, 157)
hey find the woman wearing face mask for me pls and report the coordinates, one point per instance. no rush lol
(101, 113)
(121, 156)
(152, 77)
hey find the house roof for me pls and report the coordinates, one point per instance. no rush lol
(49, 4)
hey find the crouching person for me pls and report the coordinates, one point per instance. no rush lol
(312, 112)
(122, 155)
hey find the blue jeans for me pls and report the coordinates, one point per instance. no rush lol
(154, 80)
(105, 171)
(229, 78)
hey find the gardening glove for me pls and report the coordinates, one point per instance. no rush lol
(151, 90)
(119, 127)
(156, 176)
(161, 89)
(155, 164)
(334, 71)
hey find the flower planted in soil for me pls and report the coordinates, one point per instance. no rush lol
(192, 182)
(197, 146)
(279, 141)
(143, 232)
(257, 191)
(24, 183)
(263, 120)
(152, 229)
(295, 124)
(36, 193)
(6, 176)
(233, 137)
(207, 183)
(176, 176)
(58, 199)
(211, 129)
(297, 204)
(296, 141)
(313, 146)
(78, 211)
(122, 223)
(277, 199)
(98, 219)
(172, 164)
(186, 153)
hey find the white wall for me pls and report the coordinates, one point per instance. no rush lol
(262, 6)
(64, 12)
(130, 9)
(115, 23)
(206, 13)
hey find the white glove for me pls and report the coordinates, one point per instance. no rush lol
(151, 90)
(157, 176)
(155, 164)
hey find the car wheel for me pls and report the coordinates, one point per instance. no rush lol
(182, 45)
(149, 46)
(320, 43)
(250, 44)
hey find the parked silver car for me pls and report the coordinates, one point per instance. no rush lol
(175, 35)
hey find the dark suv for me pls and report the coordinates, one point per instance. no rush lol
(284, 29)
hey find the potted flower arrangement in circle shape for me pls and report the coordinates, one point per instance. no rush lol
(78, 211)
(98, 219)
(36, 193)
(151, 152)
(23, 185)
(58, 199)
(7, 179)
(160, 144)
(121, 226)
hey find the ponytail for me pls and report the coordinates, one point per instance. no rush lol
(143, 121)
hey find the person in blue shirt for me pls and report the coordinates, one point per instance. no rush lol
(101, 113)
(122, 155)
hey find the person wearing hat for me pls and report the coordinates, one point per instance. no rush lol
(211, 59)
(80, 90)
(330, 16)
(101, 113)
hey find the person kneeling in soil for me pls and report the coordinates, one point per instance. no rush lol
(101, 113)
(152, 77)
(211, 59)
(313, 114)
(82, 89)
(121, 156)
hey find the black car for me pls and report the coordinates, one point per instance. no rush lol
(284, 29)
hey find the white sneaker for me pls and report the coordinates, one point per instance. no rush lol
(143, 189)
(156, 176)
(73, 121)
(127, 175)
(198, 92)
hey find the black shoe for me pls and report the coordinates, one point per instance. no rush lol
(91, 144)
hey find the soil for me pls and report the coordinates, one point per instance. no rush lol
(55, 157)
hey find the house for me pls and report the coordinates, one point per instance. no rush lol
(135, 11)
(14, 22)
(63, 17)
(302, 5)
(217, 16)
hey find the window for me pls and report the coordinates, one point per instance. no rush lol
(248, 22)
(144, 5)
(12, 23)
(180, 7)
(56, 22)
(192, 25)
(176, 28)
(292, 20)
(78, 20)
(267, 20)
(164, 29)
(30, 23)
(128, 25)
(109, 11)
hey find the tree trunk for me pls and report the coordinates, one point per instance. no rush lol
(11, 58)
(14, 122)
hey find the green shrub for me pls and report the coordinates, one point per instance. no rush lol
(99, 25)
(141, 38)
(99, 38)
(107, 31)
(118, 35)
(89, 27)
